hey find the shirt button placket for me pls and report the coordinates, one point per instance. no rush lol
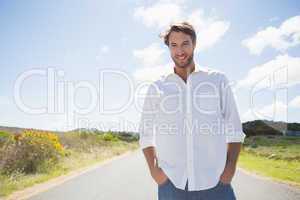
(188, 117)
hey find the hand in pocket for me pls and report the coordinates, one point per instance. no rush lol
(159, 176)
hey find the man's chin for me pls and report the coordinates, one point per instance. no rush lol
(182, 65)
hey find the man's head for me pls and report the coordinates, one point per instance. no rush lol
(181, 40)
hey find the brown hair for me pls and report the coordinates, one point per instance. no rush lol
(184, 27)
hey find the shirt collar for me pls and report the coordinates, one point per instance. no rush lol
(198, 69)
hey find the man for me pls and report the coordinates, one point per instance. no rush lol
(190, 129)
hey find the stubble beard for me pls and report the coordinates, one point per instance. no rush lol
(186, 64)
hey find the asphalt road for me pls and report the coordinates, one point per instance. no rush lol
(128, 178)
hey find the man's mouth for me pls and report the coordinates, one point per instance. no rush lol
(181, 58)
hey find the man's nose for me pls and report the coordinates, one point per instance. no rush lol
(179, 51)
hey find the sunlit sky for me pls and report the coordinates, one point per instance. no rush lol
(100, 52)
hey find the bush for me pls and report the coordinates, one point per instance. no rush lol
(109, 136)
(28, 151)
(127, 137)
(81, 142)
(3, 137)
(4, 134)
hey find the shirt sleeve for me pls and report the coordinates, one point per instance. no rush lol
(233, 126)
(148, 118)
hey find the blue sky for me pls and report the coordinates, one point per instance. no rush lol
(250, 41)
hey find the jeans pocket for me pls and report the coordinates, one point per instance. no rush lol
(224, 184)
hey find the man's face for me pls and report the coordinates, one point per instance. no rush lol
(181, 48)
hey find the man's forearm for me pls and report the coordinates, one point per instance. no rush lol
(150, 155)
(233, 151)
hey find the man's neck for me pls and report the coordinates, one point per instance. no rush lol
(184, 72)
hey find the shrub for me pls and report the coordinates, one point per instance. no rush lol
(3, 137)
(109, 136)
(28, 151)
(127, 137)
(4, 134)
(81, 142)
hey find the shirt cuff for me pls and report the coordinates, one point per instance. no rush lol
(146, 143)
(237, 137)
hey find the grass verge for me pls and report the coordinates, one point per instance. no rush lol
(277, 157)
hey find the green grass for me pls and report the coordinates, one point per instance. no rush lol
(82, 152)
(277, 157)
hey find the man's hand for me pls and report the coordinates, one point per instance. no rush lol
(158, 175)
(156, 172)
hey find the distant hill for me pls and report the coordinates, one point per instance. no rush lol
(11, 129)
(16, 130)
(266, 127)
(251, 128)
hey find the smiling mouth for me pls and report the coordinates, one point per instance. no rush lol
(181, 58)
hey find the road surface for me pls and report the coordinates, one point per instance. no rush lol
(128, 178)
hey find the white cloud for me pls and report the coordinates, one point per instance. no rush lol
(281, 38)
(209, 28)
(295, 102)
(282, 71)
(277, 111)
(104, 49)
(150, 56)
(160, 14)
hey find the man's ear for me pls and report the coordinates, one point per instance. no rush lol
(194, 45)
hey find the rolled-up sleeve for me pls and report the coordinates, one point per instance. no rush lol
(232, 123)
(148, 118)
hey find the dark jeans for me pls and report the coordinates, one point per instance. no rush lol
(167, 191)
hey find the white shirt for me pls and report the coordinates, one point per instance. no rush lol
(190, 124)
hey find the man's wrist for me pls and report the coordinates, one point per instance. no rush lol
(230, 169)
(230, 164)
(153, 167)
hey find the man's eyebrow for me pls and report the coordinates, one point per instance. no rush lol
(185, 41)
